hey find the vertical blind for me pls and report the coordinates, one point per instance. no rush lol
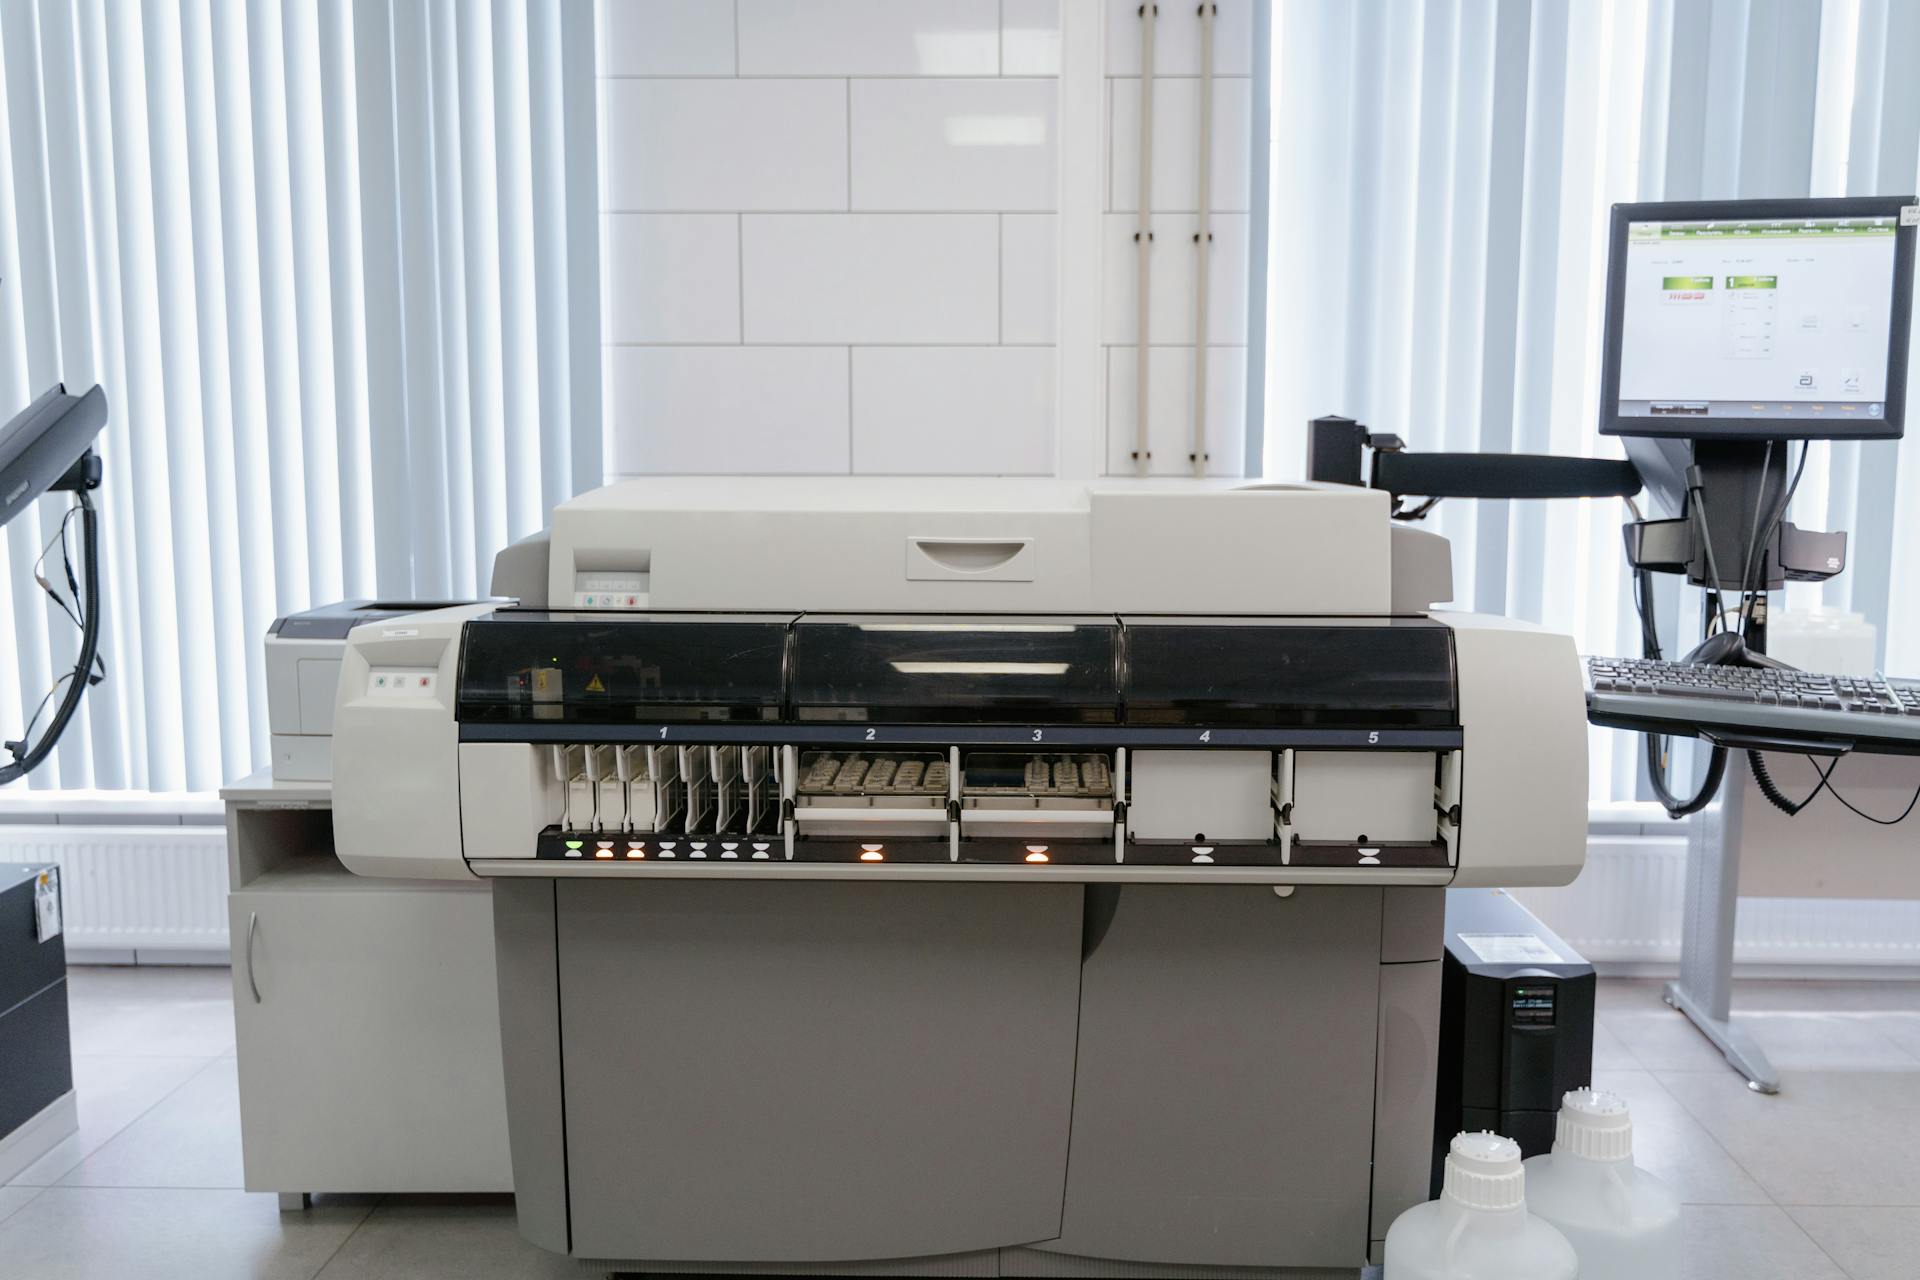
(1442, 175)
(337, 267)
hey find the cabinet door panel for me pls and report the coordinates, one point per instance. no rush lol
(815, 1071)
(371, 1061)
(1224, 1089)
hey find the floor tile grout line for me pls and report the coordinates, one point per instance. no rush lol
(346, 1239)
(1817, 1246)
(119, 1133)
(38, 1191)
(1714, 1138)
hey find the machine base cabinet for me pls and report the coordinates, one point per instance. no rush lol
(966, 1079)
(366, 1015)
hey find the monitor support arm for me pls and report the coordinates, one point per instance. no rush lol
(1729, 532)
(1337, 453)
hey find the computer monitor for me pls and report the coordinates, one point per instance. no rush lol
(42, 443)
(1759, 319)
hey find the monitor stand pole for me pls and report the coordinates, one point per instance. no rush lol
(1704, 989)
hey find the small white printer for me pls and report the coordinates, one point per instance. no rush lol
(303, 670)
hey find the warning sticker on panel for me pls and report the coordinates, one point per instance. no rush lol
(1510, 948)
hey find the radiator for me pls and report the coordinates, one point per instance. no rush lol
(126, 888)
(1626, 909)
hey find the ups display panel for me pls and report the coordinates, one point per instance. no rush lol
(1338, 675)
(1036, 670)
(583, 668)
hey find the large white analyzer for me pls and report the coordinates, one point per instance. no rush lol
(966, 878)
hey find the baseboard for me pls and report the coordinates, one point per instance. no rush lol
(1666, 971)
(47, 1129)
(123, 956)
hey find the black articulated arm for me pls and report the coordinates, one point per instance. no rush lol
(1337, 450)
(1502, 475)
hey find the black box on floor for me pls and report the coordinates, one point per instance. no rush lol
(36, 1059)
(1516, 1024)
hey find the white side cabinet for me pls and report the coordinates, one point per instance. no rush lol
(366, 1013)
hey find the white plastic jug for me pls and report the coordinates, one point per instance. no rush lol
(1479, 1228)
(1623, 1222)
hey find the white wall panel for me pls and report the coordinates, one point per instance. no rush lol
(1176, 134)
(729, 410)
(719, 145)
(869, 37)
(953, 410)
(830, 234)
(1030, 37)
(666, 38)
(1176, 38)
(1174, 257)
(1170, 409)
(1029, 278)
(872, 278)
(953, 144)
(678, 274)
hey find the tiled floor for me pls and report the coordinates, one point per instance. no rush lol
(1822, 1180)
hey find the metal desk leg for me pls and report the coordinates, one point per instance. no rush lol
(1704, 989)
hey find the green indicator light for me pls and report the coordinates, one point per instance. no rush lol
(575, 844)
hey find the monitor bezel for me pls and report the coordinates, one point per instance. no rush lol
(1889, 427)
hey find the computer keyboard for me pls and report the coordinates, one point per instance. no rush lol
(1677, 698)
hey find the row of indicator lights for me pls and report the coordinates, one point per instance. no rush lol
(878, 853)
(590, 600)
(637, 849)
(729, 849)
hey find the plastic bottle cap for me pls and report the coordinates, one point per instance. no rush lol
(1593, 1126)
(1484, 1172)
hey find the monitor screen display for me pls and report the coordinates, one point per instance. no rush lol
(1758, 326)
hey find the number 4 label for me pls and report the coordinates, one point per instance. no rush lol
(1206, 735)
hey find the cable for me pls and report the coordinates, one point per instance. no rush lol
(1753, 550)
(99, 671)
(1657, 778)
(1763, 779)
(27, 757)
(1880, 822)
(1771, 790)
(1753, 534)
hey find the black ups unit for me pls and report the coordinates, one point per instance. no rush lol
(1516, 1024)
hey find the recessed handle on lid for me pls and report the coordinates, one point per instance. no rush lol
(981, 559)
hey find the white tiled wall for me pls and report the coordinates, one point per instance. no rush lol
(831, 238)
(1175, 200)
(829, 235)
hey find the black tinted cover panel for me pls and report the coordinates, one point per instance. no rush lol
(583, 668)
(1393, 674)
(977, 670)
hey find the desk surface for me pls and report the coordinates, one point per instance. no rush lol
(262, 790)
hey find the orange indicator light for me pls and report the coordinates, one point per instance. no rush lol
(872, 853)
(603, 853)
(1035, 855)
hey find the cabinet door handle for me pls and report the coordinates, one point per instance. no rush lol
(253, 925)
